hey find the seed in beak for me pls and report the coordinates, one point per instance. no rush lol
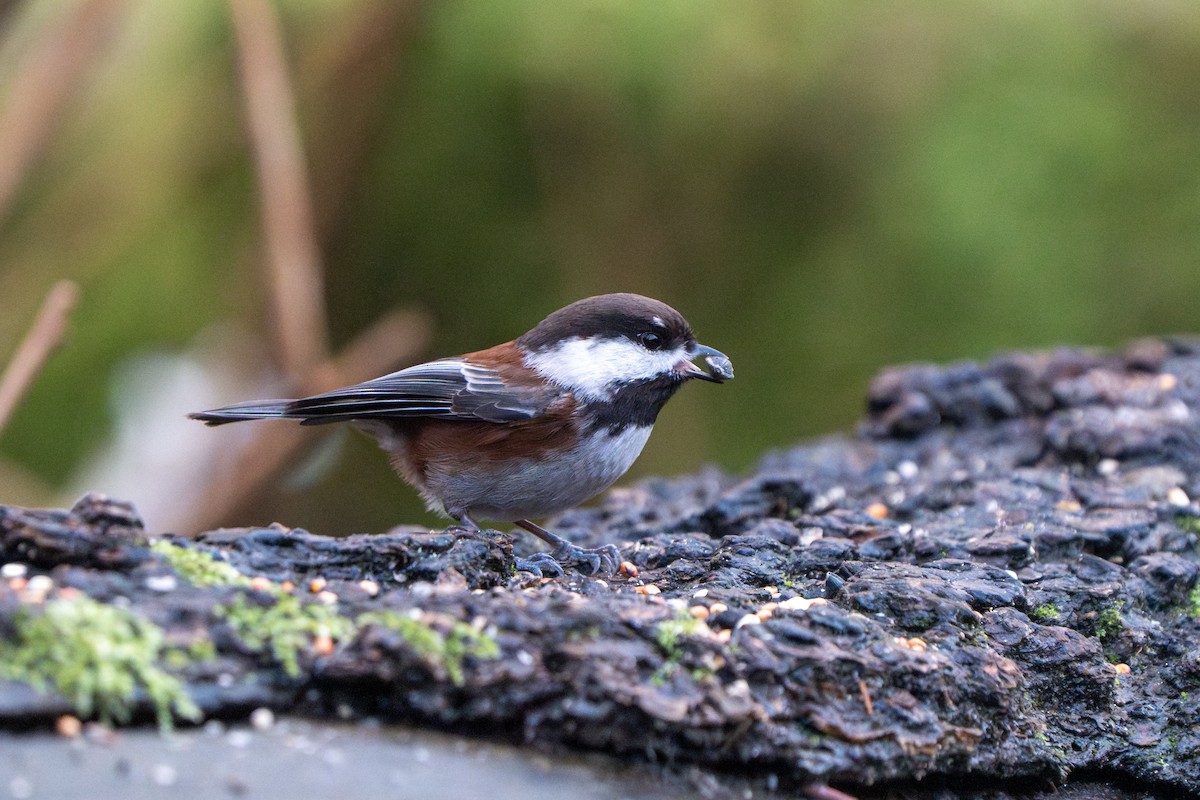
(720, 368)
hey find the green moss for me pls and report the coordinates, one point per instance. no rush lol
(583, 634)
(1188, 523)
(669, 632)
(1047, 612)
(178, 658)
(98, 657)
(202, 650)
(1193, 608)
(198, 567)
(1109, 623)
(286, 627)
(663, 671)
(445, 650)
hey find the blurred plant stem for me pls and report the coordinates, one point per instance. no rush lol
(45, 335)
(49, 73)
(293, 257)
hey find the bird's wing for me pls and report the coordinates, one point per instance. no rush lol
(452, 388)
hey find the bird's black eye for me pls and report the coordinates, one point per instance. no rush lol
(651, 340)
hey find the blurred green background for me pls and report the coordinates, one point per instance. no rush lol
(822, 188)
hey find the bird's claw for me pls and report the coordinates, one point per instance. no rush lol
(590, 560)
(537, 562)
(606, 557)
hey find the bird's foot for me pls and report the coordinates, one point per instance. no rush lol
(589, 560)
(603, 560)
(538, 564)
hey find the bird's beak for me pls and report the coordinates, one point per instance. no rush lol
(718, 366)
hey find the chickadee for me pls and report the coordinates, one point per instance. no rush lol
(527, 428)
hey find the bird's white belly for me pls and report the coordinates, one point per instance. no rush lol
(537, 488)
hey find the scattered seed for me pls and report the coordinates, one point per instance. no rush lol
(767, 611)
(628, 569)
(773, 591)
(323, 644)
(260, 583)
(1068, 505)
(1178, 497)
(700, 593)
(717, 607)
(749, 619)
(369, 586)
(40, 584)
(162, 583)
(803, 603)
(68, 726)
(35, 589)
(809, 535)
(317, 585)
(648, 588)
(327, 597)
(724, 635)
(877, 511)
(262, 719)
(1107, 466)
(13, 570)
(1121, 669)
(912, 644)
(699, 612)
(287, 586)
(18, 584)
(1167, 382)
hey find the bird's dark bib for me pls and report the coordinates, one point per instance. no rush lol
(632, 404)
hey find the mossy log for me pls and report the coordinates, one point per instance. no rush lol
(994, 578)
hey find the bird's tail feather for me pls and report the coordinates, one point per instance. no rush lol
(254, 409)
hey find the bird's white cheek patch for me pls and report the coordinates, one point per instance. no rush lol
(591, 367)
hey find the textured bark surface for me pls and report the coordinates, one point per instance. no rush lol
(1003, 562)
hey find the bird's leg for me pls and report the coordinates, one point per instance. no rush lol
(606, 557)
(466, 526)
